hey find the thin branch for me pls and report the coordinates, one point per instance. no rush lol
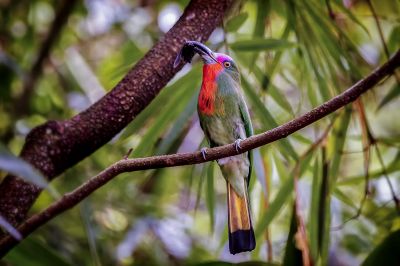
(386, 175)
(71, 199)
(332, 14)
(371, 138)
(378, 25)
(366, 215)
(382, 38)
(367, 142)
(63, 12)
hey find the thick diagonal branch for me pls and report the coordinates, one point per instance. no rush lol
(57, 145)
(129, 165)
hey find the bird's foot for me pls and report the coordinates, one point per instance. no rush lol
(204, 153)
(237, 145)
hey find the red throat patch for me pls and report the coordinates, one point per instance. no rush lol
(208, 90)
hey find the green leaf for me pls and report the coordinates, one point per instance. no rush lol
(203, 177)
(324, 210)
(350, 14)
(210, 194)
(387, 253)
(302, 139)
(178, 127)
(273, 91)
(325, 34)
(267, 119)
(262, 45)
(293, 256)
(33, 252)
(391, 95)
(280, 98)
(392, 167)
(344, 197)
(272, 67)
(394, 39)
(281, 167)
(275, 207)
(171, 109)
(263, 8)
(18, 167)
(313, 217)
(236, 22)
(281, 198)
(158, 105)
(338, 141)
(318, 72)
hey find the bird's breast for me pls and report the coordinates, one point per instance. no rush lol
(208, 101)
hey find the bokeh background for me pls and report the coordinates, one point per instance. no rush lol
(293, 55)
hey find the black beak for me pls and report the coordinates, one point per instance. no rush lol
(190, 48)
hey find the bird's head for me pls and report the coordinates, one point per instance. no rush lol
(216, 63)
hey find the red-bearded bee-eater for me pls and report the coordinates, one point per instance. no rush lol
(225, 119)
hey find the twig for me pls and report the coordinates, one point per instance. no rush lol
(71, 199)
(367, 140)
(382, 38)
(378, 25)
(126, 156)
(64, 10)
(385, 174)
(330, 10)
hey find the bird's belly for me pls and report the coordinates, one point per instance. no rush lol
(219, 132)
(224, 131)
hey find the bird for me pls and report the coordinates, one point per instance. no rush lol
(224, 119)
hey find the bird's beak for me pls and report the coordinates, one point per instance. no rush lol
(191, 47)
(206, 54)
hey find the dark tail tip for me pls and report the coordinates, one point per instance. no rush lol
(241, 241)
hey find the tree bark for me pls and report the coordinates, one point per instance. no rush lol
(57, 145)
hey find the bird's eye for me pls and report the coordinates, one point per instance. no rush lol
(227, 64)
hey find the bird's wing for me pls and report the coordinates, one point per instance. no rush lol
(244, 112)
(205, 131)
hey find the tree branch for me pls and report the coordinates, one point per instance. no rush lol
(71, 199)
(57, 145)
(63, 12)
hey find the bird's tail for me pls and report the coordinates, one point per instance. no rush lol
(241, 234)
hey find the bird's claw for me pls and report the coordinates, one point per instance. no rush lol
(237, 145)
(204, 153)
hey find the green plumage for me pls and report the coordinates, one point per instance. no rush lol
(231, 123)
(225, 119)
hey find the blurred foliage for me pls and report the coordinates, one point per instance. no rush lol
(293, 56)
